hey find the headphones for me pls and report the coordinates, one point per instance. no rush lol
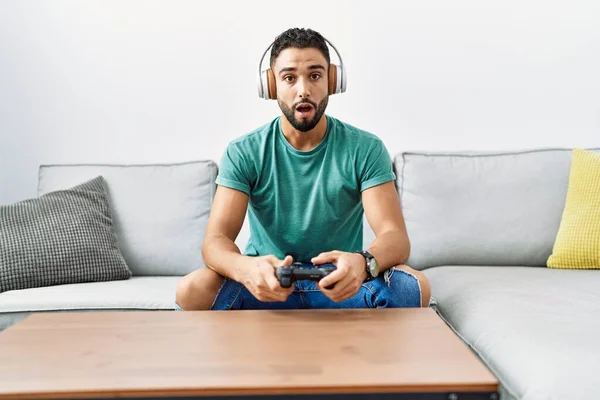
(267, 88)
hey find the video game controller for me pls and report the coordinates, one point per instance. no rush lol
(303, 271)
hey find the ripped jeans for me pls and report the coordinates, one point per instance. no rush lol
(394, 288)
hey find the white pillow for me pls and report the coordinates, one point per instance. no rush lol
(160, 211)
(482, 208)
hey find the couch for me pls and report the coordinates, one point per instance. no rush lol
(482, 226)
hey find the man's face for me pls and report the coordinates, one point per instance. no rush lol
(302, 95)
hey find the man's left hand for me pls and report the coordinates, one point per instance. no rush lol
(349, 275)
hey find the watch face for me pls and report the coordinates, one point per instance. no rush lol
(373, 267)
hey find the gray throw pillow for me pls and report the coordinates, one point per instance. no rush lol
(62, 237)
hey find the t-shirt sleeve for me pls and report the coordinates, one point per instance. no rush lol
(377, 167)
(234, 170)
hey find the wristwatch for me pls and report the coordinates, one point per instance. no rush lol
(371, 265)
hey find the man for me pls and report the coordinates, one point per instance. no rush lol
(305, 179)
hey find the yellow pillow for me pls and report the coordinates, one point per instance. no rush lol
(577, 244)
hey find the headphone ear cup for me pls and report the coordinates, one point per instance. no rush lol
(260, 84)
(342, 79)
(332, 79)
(263, 86)
(271, 85)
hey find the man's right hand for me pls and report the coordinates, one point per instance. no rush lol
(260, 280)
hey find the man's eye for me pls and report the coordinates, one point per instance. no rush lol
(316, 76)
(288, 78)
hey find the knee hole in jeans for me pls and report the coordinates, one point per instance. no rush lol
(389, 273)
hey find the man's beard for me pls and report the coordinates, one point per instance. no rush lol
(304, 125)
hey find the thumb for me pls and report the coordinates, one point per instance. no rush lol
(323, 258)
(287, 261)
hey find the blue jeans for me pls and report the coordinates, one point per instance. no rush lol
(395, 288)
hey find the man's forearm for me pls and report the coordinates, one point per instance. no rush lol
(390, 249)
(223, 256)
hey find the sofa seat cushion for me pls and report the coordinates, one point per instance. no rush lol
(536, 328)
(137, 293)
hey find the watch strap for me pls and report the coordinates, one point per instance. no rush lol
(368, 257)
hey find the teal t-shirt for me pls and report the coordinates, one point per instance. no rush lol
(302, 203)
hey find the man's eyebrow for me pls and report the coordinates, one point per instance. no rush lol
(288, 69)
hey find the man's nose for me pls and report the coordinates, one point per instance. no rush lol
(303, 88)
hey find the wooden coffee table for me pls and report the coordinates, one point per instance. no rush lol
(312, 354)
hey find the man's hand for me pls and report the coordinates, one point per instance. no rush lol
(260, 280)
(350, 274)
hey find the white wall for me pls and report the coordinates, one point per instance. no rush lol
(169, 81)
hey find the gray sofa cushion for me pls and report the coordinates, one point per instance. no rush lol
(537, 328)
(477, 208)
(66, 236)
(137, 293)
(160, 211)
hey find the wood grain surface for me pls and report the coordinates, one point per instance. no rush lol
(165, 353)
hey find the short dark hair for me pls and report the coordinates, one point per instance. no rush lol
(299, 38)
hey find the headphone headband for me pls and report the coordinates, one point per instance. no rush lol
(339, 73)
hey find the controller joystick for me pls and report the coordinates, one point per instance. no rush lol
(303, 271)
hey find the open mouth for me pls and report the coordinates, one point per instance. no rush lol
(304, 109)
